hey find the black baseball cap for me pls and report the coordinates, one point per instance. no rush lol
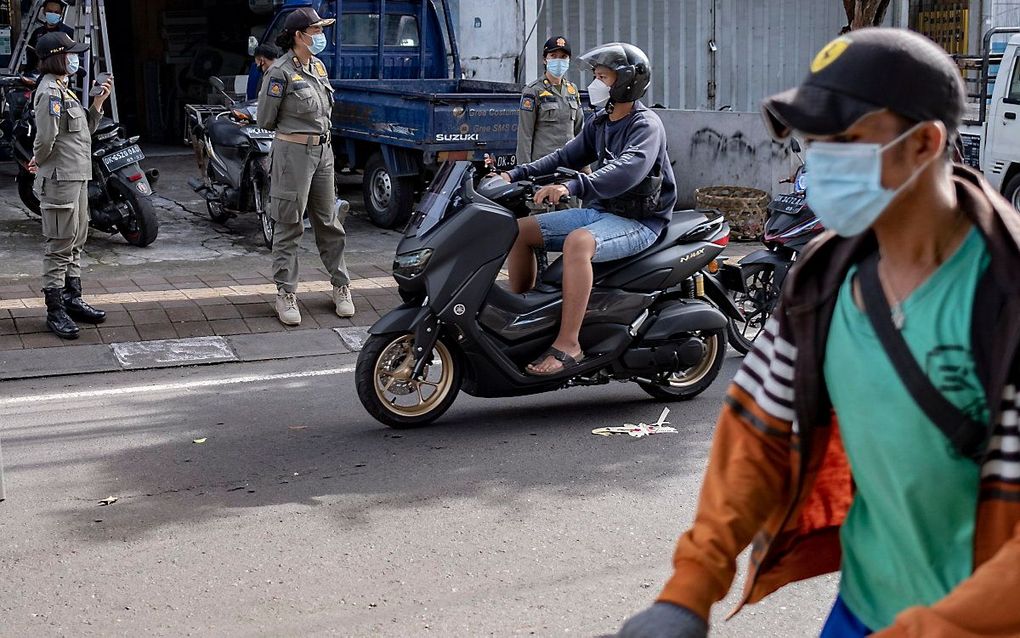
(865, 71)
(303, 18)
(57, 42)
(556, 43)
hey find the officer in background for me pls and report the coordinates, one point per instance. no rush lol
(53, 17)
(550, 114)
(296, 101)
(62, 162)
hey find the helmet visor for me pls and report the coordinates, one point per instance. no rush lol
(611, 55)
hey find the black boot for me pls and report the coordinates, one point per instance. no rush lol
(76, 306)
(56, 317)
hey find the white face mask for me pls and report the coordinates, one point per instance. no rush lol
(598, 93)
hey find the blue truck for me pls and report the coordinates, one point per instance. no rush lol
(401, 106)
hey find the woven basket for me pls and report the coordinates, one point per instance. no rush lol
(745, 209)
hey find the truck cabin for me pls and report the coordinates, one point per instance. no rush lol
(409, 42)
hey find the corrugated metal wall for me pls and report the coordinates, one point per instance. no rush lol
(760, 46)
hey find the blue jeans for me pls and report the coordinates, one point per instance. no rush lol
(842, 623)
(615, 237)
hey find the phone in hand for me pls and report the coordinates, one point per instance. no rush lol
(98, 88)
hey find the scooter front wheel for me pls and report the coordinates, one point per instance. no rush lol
(682, 385)
(385, 381)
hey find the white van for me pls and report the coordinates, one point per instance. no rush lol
(991, 131)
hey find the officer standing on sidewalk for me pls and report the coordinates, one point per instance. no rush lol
(296, 101)
(62, 163)
(550, 113)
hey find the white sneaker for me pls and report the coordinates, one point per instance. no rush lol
(344, 302)
(287, 310)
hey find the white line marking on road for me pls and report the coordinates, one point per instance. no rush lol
(169, 387)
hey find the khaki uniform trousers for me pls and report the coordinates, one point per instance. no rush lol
(64, 206)
(302, 179)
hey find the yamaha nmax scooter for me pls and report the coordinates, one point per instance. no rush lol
(647, 320)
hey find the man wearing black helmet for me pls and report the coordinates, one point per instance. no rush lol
(874, 428)
(629, 196)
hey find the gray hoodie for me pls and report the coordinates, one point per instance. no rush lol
(633, 146)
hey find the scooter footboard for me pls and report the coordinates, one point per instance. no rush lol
(684, 316)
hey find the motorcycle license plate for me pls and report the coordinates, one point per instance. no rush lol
(123, 157)
(258, 133)
(791, 203)
(506, 162)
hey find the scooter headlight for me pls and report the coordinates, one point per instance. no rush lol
(411, 264)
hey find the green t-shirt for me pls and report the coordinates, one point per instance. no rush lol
(908, 539)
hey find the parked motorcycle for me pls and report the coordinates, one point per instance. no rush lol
(232, 152)
(120, 191)
(457, 329)
(790, 226)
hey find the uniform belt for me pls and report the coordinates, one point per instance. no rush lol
(304, 138)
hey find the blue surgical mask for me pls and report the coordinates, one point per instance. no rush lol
(52, 18)
(557, 67)
(73, 63)
(318, 44)
(844, 184)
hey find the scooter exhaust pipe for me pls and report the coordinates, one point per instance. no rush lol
(153, 175)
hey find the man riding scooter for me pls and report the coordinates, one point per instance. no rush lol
(629, 197)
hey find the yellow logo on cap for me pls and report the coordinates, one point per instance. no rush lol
(829, 54)
(560, 42)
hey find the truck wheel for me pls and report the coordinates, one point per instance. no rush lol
(1012, 191)
(388, 199)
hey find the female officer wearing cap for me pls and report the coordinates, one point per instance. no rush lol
(63, 165)
(296, 100)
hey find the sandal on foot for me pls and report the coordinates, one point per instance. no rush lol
(565, 359)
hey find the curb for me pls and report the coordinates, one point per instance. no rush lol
(172, 353)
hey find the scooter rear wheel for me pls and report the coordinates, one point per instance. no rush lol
(383, 377)
(687, 384)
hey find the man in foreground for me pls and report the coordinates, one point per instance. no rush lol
(903, 323)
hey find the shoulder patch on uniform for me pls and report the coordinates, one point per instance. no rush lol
(527, 103)
(276, 86)
(56, 107)
(320, 69)
(571, 89)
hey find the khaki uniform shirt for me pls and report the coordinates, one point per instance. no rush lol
(295, 98)
(550, 116)
(63, 132)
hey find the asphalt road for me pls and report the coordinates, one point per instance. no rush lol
(299, 515)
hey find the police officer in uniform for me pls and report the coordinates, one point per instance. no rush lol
(62, 163)
(296, 100)
(550, 114)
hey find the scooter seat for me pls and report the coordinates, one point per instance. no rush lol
(223, 132)
(683, 222)
(106, 125)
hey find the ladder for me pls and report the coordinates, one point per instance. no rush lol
(20, 51)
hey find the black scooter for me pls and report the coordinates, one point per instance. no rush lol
(233, 154)
(458, 329)
(120, 191)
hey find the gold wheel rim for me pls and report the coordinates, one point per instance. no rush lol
(697, 372)
(403, 395)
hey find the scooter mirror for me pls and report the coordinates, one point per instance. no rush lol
(217, 84)
(253, 43)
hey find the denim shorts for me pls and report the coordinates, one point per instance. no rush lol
(615, 237)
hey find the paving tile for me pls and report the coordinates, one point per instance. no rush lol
(21, 313)
(183, 279)
(212, 301)
(221, 312)
(43, 340)
(117, 318)
(77, 359)
(10, 342)
(144, 305)
(191, 312)
(260, 309)
(119, 289)
(330, 320)
(253, 281)
(262, 324)
(29, 325)
(151, 280)
(118, 334)
(150, 331)
(5, 314)
(159, 287)
(229, 327)
(87, 336)
(177, 303)
(7, 327)
(17, 291)
(193, 329)
(239, 300)
(281, 345)
(149, 316)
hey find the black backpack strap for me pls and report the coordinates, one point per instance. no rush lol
(967, 436)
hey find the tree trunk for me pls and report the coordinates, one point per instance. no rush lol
(864, 13)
